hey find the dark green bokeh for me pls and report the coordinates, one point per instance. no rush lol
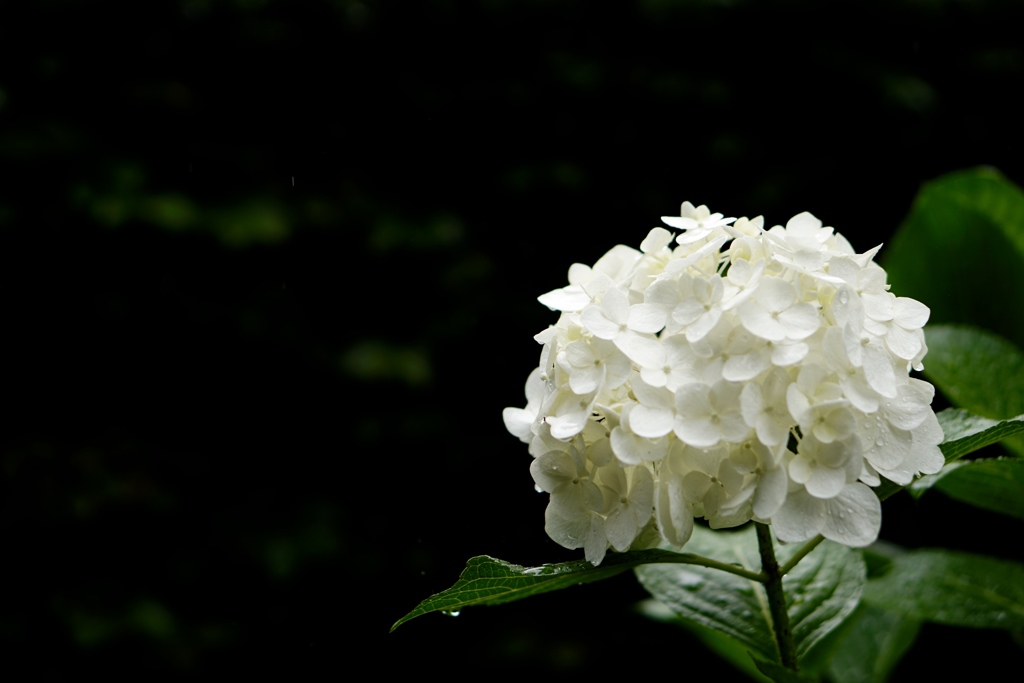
(270, 273)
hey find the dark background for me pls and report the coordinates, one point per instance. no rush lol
(270, 270)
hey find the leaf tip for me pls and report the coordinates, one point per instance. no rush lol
(401, 621)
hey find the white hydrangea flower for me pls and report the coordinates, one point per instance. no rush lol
(730, 373)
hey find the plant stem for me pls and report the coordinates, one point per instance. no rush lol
(801, 554)
(687, 558)
(776, 597)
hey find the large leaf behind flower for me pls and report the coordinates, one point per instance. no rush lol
(977, 370)
(869, 645)
(960, 251)
(953, 588)
(820, 591)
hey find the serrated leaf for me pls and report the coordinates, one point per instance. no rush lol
(966, 433)
(995, 484)
(820, 591)
(490, 581)
(953, 588)
(977, 370)
(724, 602)
(870, 644)
(963, 240)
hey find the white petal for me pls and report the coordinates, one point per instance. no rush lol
(759, 321)
(631, 449)
(552, 469)
(771, 493)
(597, 321)
(586, 380)
(786, 354)
(910, 407)
(620, 528)
(679, 222)
(803, 224)
(878, 370)
(889, 449)
(699, 433)
(903, 343)
(910, 313)
(571, 298)
(800, 321)
(641, 493)
(878, 306)
(675, 520)
(826, 482)
(646, 318)
(646, 352)
(596, 543)
(519, 422)
(655, 240)
(745, 367)
(702, 325)
(686, 311)
(854, 517)
(651, 422)
(568, 527)
(800, 518)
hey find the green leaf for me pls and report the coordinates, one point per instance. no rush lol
(960, 251)
(490, 581)
(965, 433)
(778, 673)
(870, 644)
(953, 588)
(995, 484)
(729, 649)
(821, 590)
(977, 370)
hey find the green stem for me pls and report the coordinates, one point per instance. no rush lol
(687, 558)
(801, 554)
(776, 597)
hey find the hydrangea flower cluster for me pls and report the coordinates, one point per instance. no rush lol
(729, 373)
